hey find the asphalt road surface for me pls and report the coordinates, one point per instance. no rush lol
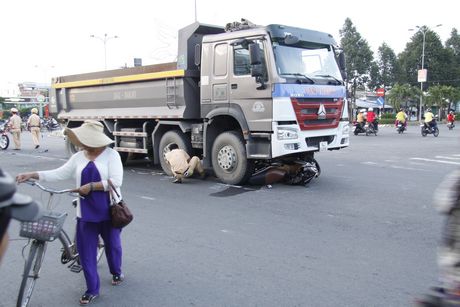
(363, 234)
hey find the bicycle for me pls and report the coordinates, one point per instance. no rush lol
(47, 229)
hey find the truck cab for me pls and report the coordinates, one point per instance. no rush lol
(281, 86)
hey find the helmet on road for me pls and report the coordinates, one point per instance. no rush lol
(370, 109)
(428, 110)
(14, 110)
(34, 110)
(21, 207)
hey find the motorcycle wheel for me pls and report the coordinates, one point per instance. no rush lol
(423, 132)
(436, 132)
(4, 141)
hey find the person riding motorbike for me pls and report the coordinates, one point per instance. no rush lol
(360, 122)
(451, 118)
(429, 119)
(401, 117)
(372, 118)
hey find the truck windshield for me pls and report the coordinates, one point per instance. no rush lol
(315, 65)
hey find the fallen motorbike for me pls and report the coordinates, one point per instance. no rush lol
(294, 172)
(426, 129)
(400, 127)
(450, 125)
(4, 139)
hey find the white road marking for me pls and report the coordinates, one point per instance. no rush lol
(47, 157)
(369, 163)
(148, 198)
(448, 158)
(409, 168)
(437, 161)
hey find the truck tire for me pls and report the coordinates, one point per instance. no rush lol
(124, 157)
(169, 138)
(70, 148)
(229, 159)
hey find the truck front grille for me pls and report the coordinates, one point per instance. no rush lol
(317, 113)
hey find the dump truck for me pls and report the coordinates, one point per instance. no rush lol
(241, 97)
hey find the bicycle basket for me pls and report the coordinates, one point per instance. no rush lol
(46, 228)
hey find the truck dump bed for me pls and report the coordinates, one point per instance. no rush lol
(168, 90)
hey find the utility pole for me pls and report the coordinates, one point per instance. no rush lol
(104, 40)
(423, 73)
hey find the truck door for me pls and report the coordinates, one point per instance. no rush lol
(245, 92)
(214, 77)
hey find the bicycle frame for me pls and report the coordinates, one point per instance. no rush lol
(37, 252)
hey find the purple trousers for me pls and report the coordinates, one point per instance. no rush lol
(87, 241)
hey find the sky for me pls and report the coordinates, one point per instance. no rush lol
(47, 38)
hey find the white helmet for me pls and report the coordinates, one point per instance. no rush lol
(370, 109)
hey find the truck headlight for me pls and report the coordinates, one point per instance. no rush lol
(346, 129)
(286, 133)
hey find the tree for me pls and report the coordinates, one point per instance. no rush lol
(387, 65)
(453, 46)
(400, 93)
(437, 60)
(358, 56)
(442, 96)
(453, 42)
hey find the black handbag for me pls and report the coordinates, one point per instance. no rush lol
(119, 211)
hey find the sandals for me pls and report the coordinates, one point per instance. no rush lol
(117, 279)
(87, 299)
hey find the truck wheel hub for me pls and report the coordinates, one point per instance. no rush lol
(227, 158)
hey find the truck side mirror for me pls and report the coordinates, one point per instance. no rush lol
(254, 53)
(342, 65)
(197, 54)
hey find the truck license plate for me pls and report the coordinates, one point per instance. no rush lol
(322, 146)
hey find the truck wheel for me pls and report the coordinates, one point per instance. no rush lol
(124, 157)
(229, 158)
(70, 148)
(169, 138)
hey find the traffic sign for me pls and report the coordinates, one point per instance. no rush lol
(380, 92)
(40, 98)
(422, 74)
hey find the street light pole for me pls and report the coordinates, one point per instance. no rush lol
(422, 30)
(104, 40)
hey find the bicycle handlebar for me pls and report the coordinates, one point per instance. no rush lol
(52, 191)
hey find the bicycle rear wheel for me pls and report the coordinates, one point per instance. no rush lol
(31, 272)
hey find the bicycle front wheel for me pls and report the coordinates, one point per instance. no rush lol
(31, 272)
(100, 249)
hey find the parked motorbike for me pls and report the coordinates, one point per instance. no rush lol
(429, 130)
(4, 139)
(51, 124)
(450, 125)
(400, 128)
